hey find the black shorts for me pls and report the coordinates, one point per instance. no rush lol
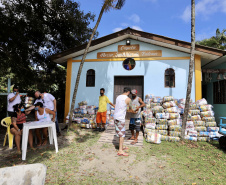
(20, 126)
(12, 114)
(135, 124)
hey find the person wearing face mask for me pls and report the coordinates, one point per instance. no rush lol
(135, 118)
(13, 99)
(43, 114)
(102, 111)
(16, 127)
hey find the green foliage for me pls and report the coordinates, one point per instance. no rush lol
(218, 41)
(33, 30)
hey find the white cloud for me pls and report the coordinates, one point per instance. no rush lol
(137, 28)
(186, 16)
(124, 24)
(204, 8)
(135, 18)
(117, 29)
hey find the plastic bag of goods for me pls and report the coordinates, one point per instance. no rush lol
(149, 114)
(201, 102)
(154, 138)
(152, 105)
(204, 129)
(194, 112)
(162, 115)
(174, 122)
(174, 115)
(193, 106)
(162, 121)
(29, 100)
(190, 125)
(84, 111)
(172, 110)
(191, 138)
(192, 133)
(207, 114)
(208, 119)
(148, 101)
(203, 134)
(181, 106)
(204, 108)
(175, 133)
(149, 96)
(199, 123)
(213, 129)
(157, 99)
(174, 139)
(169, 104)
(203, 138)
(214, 134)
(168, 98)
(83, 125)
(150, 120)
(195, 118)
(211, 124)
(182, 101)
(161, 127)
(146, 130)
(82, 106)
(175, 128)
(180, 111)
(162, 132)
(150, 125)
(164, 138)
(158, 109)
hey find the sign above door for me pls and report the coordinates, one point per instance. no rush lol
(135, 47)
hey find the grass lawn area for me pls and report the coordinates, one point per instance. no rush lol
(83, 160)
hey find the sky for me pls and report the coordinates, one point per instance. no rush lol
(170, 18)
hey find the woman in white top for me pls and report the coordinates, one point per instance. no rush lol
(42, 114)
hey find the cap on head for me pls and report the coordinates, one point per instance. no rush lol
(134, 91)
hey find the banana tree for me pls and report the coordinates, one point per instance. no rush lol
(107, 6)
(191, 69)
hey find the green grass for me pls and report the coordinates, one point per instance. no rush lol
(181, 162)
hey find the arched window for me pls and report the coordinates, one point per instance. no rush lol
(90, 78)
(169, 77)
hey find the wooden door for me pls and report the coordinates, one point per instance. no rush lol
(134, 82)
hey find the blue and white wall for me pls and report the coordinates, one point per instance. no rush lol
(153, 72)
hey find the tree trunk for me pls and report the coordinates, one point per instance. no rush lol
(82, 62)
(191, 69)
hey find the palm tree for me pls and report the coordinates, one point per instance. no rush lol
(107, 5)
(218, 41)
(191, 66)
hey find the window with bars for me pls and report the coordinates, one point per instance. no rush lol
(169, 78)
(90, 78)
(219, 92)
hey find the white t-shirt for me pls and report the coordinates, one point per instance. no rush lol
(47, 101)
(12, 103)
(120, 108)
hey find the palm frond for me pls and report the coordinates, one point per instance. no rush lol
(120, 4)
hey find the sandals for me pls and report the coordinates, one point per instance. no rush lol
(124, 154)
(134, 142)
(130, 138)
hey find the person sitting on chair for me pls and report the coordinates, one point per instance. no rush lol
(42, 114)
(16, 127)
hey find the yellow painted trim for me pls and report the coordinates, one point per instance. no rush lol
(121, 59)
(198, 78)
(68, 88)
